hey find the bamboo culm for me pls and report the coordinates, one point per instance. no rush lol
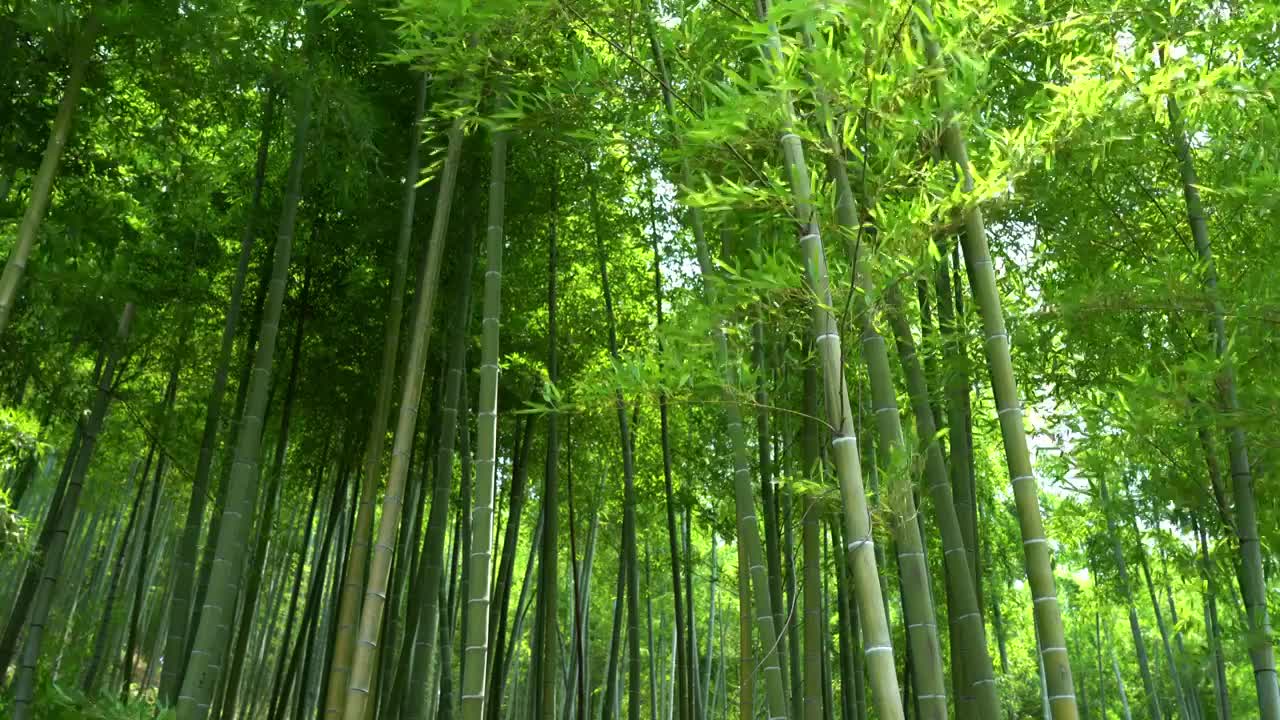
(358, 553)
(204, 672)
(25, 679)
(982, 280)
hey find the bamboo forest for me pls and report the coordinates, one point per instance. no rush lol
(639, 359)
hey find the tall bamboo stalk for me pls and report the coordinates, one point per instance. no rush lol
(185, 560)
(358, 553)
(506, 566)
(682, 708)
(744, 502)
(24, 682)
(1213, 631)
(204, 671)
(146, 550)
(959, 414)
(967, 628)
(844, 445)
(277, 685)
(977, 257)
(546, 633)
(1252, 574)
(102, 638)
(1175, 675)
(811, 543)
(266, 521)
(769, 505)
(476, 652)
(311, 606)
(628, 546)
(1126, 591)
(358, 687)
(431, 568)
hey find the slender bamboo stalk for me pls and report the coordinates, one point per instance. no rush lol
(357, 690)
(628, 547)
(682, 708)
(311, 606)
(1115, 667)
(811, 544)
(1175, 675)
(431, 568)
(83, 551)
(458, 621)
(1126, 591)
(708, 661)
(609, 699)
(576, 696)
(267, 520)
(148, 524)
(967, 628)
(42, 185)
(506, 567)
(844, 444)
(746, 659)
(185, 566)
(744, 502)
(248, 351)
(277, 686)
(1102, 673)
(406, 565)
(476, 651)
(1252, 573)
(93, 666)
(1222, 695)
(769, 505)
(445, 701)
(25, 679)
(204, 671)
(977, 256)
(648, 607)
(959, 415)
(546, 633)
(349, 603)
(327, 627)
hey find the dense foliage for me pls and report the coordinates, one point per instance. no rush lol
(693, 360)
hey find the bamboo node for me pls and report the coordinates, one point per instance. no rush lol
(856, 545)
